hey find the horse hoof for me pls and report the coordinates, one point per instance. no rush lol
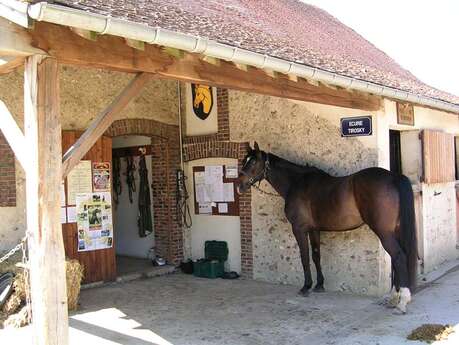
(399, 310)
(319, 289)
(303, 292)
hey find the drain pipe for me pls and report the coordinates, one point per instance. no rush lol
(100, 24)
(179, 96)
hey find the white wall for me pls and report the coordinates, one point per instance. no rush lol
(127, 240)
(206, 228)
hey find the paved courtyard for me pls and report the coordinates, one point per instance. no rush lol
(182, 310)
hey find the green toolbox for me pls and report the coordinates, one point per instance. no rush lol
(213, 264)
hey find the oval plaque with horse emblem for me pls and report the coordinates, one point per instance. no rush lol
(203, 100)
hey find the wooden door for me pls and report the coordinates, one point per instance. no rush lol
(99, 265)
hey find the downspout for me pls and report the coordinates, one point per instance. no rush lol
(106, 25)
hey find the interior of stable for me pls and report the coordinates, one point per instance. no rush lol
(134, 250)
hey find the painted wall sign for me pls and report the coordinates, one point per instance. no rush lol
(203, 100)
(356, 126)
(405, 114)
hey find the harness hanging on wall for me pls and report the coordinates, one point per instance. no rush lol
(144, 221)
(117, 189)
(130, 178)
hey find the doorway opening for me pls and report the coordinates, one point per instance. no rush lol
(133, 206)
(395, 152)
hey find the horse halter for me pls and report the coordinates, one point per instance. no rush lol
(261, 175)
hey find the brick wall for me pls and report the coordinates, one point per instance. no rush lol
(7, 175)
(245, 215)
(218, 145)
(165, 162)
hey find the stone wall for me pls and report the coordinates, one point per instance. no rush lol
(307, 133)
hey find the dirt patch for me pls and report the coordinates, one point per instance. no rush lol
(431, 332)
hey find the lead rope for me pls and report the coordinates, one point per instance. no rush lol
(265, 192)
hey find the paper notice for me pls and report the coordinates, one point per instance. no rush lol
(202, 193)
(228, 192)
(63, 215)
(79, 181)
(216, 191)
(199, 177)
(213, 174)
(101, 176)
(231, 171)
(205, 208)
(223, 207)
(71, 214)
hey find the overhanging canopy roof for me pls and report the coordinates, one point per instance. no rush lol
(286, 36)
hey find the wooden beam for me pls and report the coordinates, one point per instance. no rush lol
(13, 135)
(101, 123)
(43, 182)
(87, 34)
(135, 44)
(9, 63)
(15, 40)
(111, 52)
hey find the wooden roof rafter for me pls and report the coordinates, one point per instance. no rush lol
(114, 53)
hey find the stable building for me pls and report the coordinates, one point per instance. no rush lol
(91, 90)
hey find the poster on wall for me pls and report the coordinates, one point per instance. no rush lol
(94, 221)
(79, 180)
(101, 176)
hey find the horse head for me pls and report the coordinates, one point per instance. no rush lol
(203, 95)
(253, 169)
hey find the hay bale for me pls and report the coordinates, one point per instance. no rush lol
(12, 304)
(18, 320)
(19, 285)
(430, 332)
(74, 275)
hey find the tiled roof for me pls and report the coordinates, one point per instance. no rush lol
(287, 29)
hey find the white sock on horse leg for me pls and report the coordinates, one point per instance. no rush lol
(405, 298)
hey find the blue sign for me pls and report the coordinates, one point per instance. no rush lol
(356, 126)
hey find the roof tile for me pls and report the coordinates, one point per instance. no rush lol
(287, 29)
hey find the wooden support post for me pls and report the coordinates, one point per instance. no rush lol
(43, 181)
(101, 123)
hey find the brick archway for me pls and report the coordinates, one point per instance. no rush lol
(165, 162)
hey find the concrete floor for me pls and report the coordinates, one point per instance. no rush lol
(183, 310)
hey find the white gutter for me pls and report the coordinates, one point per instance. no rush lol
(111, 26)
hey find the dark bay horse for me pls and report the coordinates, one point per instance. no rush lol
(316, 201)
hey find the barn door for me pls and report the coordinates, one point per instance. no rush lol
(99, 265)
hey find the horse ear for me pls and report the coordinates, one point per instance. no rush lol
(255, 146)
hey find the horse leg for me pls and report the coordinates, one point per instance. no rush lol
(301, 236)
(400, 265)
(314, 239)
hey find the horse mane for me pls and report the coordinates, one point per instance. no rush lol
(292, 167)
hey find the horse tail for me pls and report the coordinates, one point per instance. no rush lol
(408, 240)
